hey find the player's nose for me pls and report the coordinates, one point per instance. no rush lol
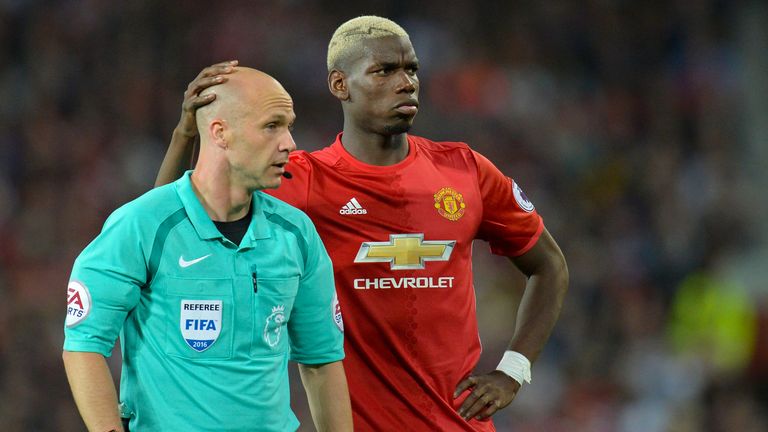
(407, 83)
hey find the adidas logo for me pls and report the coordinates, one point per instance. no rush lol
(352, 208)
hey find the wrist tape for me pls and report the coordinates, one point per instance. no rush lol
(516, 365)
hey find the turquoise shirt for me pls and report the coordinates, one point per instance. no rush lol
(206, 326)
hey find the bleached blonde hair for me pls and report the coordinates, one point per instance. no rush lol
(354, 32)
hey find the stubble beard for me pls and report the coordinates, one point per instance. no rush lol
(397, 129)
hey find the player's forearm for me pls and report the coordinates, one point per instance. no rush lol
(538, 313)
(543, 298)
(328, 396)
(177, 159)
(93, 390)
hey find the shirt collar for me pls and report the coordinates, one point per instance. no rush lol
(342, 152)
(258, 229)
(202, 222)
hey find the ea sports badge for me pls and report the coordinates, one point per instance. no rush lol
(336, 311)
(521, 199)
(200, 323)
(78, 303)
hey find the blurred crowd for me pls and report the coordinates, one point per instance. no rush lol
(624, 122)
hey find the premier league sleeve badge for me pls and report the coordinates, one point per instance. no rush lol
(521, 199)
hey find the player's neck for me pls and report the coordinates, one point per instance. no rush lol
(223, 200)
(375, 149)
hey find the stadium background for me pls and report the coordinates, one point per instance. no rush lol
(639, 130)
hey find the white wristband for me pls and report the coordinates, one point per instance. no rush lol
(516, 365)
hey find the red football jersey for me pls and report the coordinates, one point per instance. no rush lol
(400, 238)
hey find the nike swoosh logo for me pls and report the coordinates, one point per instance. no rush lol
(184, 263)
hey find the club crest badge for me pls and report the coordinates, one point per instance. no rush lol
(336, 311)
(200, 323)
(78, 303)
(449, 203)
(521, 199)
(274, 326)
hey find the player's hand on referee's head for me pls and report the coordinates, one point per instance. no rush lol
(208, 77)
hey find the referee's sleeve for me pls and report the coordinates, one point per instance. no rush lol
(104, 286)
(315, 325)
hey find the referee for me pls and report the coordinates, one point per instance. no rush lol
(212, 287)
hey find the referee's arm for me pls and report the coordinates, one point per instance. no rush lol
(328, 396)
(93, 390)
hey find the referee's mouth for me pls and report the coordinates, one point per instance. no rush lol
(280, 167)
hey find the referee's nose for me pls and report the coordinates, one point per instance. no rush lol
(287, 143)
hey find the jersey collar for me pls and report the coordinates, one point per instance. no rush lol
(258, 229)
(202, 222)
(338, 147)
(195, 211)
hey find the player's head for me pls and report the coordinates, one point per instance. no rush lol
(372, 70)
(246, 129)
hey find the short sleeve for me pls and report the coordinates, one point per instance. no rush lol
(510, 222)
(315, 326)
(104, 286)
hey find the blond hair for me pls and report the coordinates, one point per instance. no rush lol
(354, 32)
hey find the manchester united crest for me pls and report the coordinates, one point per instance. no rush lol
(450, 203)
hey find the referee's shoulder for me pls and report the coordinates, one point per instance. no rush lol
(150, 208)
(275, 208)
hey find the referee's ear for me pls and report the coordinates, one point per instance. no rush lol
(217, 133)
(337, 84)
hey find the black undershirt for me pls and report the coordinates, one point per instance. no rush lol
(235, 231)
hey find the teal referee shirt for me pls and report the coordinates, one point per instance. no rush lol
(206, 326)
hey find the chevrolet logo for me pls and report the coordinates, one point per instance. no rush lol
(405, 251)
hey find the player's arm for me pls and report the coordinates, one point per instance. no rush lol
(180, 152)
(547, 273)
(93, 390)
(328, 396)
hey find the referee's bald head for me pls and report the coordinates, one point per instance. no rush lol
(246, 93)
(236, 96)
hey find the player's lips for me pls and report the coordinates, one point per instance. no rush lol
(410, 107)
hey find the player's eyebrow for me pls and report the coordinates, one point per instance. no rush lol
(389, 64)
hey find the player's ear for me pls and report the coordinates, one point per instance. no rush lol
(337, 84)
